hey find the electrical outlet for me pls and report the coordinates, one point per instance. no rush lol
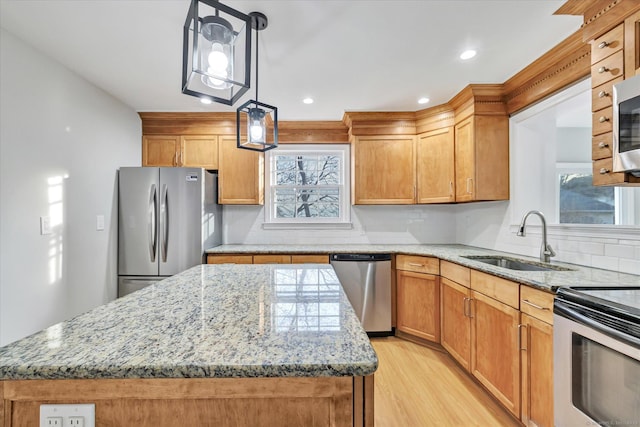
(78, 415)
(100, 222)
(45, 225)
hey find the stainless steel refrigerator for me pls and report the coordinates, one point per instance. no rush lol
(167, 218)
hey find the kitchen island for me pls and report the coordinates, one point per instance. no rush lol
(215, 345)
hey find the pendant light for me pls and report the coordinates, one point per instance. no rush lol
(216, 52)
(253, 117)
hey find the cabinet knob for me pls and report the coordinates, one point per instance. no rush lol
(603, 145)
(602, 94)
(602, 69)
(603, 119)
(602, 45)
(604, 171)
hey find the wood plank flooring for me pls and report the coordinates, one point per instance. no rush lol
(417, 386)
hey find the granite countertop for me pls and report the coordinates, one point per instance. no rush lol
(576, 275)
(209, 321)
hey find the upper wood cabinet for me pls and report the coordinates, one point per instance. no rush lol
(632, 45)
(435, 166)
(383, 170)
(241, 174)
(160, 150)
(481, 144)
(198, 151)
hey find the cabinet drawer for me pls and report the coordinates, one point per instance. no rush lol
(607, 44)
(502, 290)
(419, 264)
(601, 146)
(602, 121)
(536, 303)
(603, 173)
(455, 272)
(272, 259)
(309, 259)
(229, 259)
(607, 69)
(602, 96)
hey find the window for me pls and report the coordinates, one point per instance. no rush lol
(579, 202)
(307, 184)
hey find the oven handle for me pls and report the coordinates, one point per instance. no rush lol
(564, 310)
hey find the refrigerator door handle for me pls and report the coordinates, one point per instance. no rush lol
(153, 227)
(164, 221)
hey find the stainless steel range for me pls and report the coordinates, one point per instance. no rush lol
(597, 357)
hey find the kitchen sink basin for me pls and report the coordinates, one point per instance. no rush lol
(515, 264)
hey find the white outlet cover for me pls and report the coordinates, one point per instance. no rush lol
(65, 411)
(100, 222)
(45, 225)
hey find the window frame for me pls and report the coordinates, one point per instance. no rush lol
(344, 187)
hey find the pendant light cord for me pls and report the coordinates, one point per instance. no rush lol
(257, 63)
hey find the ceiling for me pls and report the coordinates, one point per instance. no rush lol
(348, 55)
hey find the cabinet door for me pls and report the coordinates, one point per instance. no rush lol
(240, 174)
(537, 373)
(632, 45)
(455, 321)
(384, 170)
(159, 150)
(418, 304)
(435, 166)
(464, 161)
(229, 259)
(272, 259)
(199, 151)
(495, 356)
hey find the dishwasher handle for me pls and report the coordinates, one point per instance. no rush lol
(361, 257)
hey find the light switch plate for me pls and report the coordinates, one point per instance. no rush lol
(82, 415)
(45, 225)
(100, 222)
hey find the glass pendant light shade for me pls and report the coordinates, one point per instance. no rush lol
(257, 126)
(216, 57)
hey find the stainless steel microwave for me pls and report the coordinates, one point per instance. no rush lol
(626, 126)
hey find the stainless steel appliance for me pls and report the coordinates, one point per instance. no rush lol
(596, 356)
(167, 217)
(626, 126)
(366, 279)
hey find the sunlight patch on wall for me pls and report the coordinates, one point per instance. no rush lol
(55, 191)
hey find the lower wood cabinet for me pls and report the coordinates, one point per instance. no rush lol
(267, 259)
(455, 324)
(418, 296)
(537, 372)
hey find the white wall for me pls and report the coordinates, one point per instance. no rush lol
(371, 224)
(61, 142)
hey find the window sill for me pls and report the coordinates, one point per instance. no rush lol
(307, 226)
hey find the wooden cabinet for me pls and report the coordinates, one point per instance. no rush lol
(160, 150)
(455, 324)
(383, 170)
(482, 158)
(632, 45)
(418, 297)
(241, 174)
(435, 166)
(198, 151)
(267, 259)
(536, 318)
(614, 56)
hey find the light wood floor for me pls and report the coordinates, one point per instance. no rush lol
(416, 386)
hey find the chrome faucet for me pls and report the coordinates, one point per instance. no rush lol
(546, 252)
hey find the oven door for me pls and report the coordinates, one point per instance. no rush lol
(596, 374)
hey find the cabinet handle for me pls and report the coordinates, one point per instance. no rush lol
(604, 171)
(415, 264)
(603, 145)
(469, 185)
(175, 159)
(602, 69)
(451, 188)
(602, 45)
(467, 307)
(602, 94)
(520, 326)
(603, 119)
(464, 307)
(539, 307)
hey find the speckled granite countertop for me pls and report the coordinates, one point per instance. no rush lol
(545, 280)
(209, 321)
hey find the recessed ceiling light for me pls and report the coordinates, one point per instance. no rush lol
(423, 100)
(308, 100)
(205, 101)
(468, 54)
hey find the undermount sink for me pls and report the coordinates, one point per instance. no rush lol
(515, 264)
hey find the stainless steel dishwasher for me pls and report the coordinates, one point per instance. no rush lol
(366, 279)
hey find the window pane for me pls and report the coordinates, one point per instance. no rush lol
(582, 203)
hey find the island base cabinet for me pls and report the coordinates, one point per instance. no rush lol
(495, 358)
(238, 402)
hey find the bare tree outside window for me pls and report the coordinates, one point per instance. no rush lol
(307, 185)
